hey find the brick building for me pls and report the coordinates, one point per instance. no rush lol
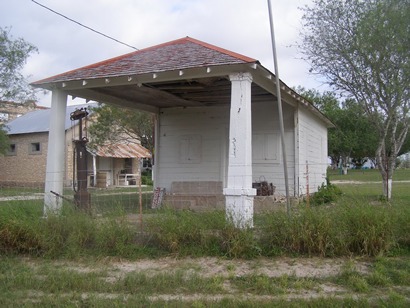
(25, 162)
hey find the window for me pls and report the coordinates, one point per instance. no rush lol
(190, 149)
(12, 151)
(35, 148)
(266, 148)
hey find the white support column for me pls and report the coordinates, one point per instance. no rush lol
(156, 153)
(55, 153)
(239, 193)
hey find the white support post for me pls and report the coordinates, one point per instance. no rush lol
(239, 193)
(156, 153)
(55, 154)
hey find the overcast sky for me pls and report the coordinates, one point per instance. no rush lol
(238, 25)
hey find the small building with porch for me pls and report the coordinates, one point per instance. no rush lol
(216, 122)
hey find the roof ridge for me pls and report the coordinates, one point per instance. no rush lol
(222, 50)
(203, 44)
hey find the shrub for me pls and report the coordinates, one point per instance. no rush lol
(326, 194)
(146, 178)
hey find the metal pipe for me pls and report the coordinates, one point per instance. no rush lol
(278, 94)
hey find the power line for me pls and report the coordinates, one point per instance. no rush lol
(82, 25)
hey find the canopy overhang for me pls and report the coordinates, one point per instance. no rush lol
(192, 87)
(181, 73)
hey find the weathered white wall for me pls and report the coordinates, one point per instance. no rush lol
(193, 145)
(190, 143)
(312, 143)
(267, 149)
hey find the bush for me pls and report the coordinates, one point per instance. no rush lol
(326, 194)
(146, 178)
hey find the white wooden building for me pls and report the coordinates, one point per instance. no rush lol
(217, 128)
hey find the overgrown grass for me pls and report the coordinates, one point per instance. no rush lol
(72, 234)
(359, 223)
(343, 230)
(346, 229)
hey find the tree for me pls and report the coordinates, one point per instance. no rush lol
(361, 47)
(353, 138)
(4, 141)
(13, 86)
(13, 56)
(114, 124)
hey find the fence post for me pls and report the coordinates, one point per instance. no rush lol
(307, 185)
(140, 197)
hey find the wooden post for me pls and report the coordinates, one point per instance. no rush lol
(307, 185)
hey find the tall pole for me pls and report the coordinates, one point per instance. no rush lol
(278, 94)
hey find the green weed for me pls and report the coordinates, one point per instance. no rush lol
(326, 194)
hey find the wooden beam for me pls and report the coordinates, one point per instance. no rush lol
(146, 78)
(94, 95)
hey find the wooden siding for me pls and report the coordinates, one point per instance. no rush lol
(267, 149)
(312, 143)
(190, 145)
(193, 145)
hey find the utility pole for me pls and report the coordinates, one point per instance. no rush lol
(280, 113)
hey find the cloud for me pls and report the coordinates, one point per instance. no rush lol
(238, 25)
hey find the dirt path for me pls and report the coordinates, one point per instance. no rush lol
(226, 272)
(201, 282)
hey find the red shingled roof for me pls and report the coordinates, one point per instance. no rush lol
(179, 54)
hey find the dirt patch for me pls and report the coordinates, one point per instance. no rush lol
(298, 278)
(210, 267)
